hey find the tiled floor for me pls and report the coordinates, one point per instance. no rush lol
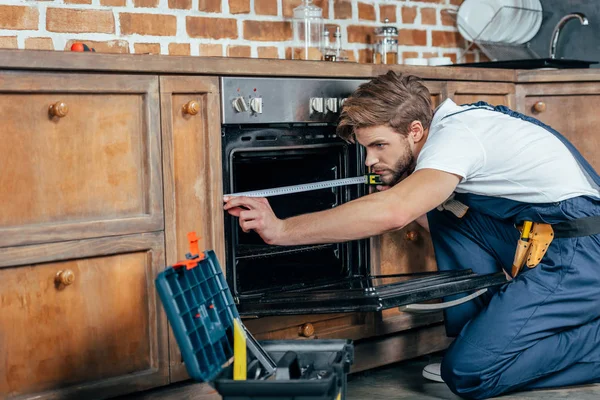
(403, 381)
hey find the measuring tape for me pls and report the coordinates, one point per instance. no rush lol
(369, 179)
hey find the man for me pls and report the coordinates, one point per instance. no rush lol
(541, 329)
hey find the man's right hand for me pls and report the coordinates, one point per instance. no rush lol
(255, 213)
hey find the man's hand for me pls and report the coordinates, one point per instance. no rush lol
(256, 214)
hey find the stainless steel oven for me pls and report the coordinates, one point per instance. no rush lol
(279, 132)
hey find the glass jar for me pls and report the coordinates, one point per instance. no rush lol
(386, 45)
(307, 25)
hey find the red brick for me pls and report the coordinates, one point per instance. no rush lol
(409, 14)
(429, 55)
(110, 46)
(446, 39)
(447, 18)
(456, 2)
(452, 57)
(238, 51)
(412, 37)
(145, 48)
(268, 52)
(342, 9)
(387, 11)
(265, 7)
(351, 56)
(483, 57)
(78, 1)
(209, 6)
(211, 50)
(239, 6)
(469, 57)
(79, 21)
(213, 28)
(17, 17)
(365, 56)
(433, 1)
(360, 34)
(145, 3)
(409, 54)
(179, 49)
(289, 5)
(114, 3)
(38, 43)
(148, 24)
(8, 42)
(366, 12)
(428, 16)
(313, 54)
(267, 30)
(180, 4)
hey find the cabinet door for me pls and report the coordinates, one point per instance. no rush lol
(571, 109)
(193, 183)
(408, 250)
(493, 93)
(81, 319)
(80, 156)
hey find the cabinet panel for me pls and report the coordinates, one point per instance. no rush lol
(492, 93)
(81, 318)
(80, 157)
(193, 183)
(571, 109)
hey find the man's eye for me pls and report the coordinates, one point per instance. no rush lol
(380, 145)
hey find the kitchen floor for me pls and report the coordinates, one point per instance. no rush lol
(401, 381)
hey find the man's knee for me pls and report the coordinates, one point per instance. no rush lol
(469, 372)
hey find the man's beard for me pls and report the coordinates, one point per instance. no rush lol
(404, 166)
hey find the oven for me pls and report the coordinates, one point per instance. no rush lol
(280, 132)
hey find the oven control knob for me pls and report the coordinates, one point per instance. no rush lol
(256, 105)
(240, 104)
(316, 105)
(342, 101)
(332, 104)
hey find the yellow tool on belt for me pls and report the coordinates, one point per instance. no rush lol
(533, 244)
(239, 352)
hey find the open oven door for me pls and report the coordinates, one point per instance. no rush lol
(372, 293)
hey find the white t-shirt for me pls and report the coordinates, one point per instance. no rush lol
(502, 156)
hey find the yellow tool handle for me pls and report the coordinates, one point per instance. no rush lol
(526, 230)
(239, 352)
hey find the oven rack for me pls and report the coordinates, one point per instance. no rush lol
(257, 252)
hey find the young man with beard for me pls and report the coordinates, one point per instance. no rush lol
(541, 329)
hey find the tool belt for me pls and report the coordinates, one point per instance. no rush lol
(532, 246)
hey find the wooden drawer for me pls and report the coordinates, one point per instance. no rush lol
(94, 171)
(102, 334)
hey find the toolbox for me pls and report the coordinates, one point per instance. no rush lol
(201, 311)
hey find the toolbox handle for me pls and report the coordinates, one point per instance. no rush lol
(425, 308)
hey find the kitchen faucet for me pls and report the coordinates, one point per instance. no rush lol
(558, 29)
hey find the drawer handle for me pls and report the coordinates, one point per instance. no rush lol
(191, 107)
(306, 330)
(539, 107)
(65, 277)
(411, 236)
(58, 109)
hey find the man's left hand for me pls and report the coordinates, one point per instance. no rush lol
(255, 213)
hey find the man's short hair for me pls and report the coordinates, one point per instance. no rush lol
(393, 100)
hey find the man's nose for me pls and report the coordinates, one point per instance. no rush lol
(370, 160)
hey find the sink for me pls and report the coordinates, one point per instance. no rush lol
(536, 63)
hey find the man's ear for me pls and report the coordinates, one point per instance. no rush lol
(416, 131)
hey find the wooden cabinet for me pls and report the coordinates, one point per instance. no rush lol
(193, 183)
(80, 157)
(81, 319)
(493, 93)
(569, 108)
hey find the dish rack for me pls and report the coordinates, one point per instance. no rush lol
(500, 50)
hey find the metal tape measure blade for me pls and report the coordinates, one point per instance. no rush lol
(301, 188)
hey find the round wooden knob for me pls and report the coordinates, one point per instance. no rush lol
(58, 109)
(192, 107)
(539, 107)
(411, 236)
(65, 277)
(306, 330)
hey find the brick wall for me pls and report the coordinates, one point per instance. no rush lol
(234, 28)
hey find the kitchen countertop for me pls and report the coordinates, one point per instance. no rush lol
(44, 60)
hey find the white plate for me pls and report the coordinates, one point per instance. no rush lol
(503, 26)
(473, 16)
(534, 21)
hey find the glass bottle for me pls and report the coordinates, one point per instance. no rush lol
(386, 44)
(307, 25)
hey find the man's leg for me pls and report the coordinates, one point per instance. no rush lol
(476, 242)
(540, 330)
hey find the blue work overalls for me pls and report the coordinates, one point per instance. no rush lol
(540, 330)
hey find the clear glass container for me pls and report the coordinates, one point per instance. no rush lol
(385, 50)
(307, 25)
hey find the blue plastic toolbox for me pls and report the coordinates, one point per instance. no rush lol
(201, 311)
